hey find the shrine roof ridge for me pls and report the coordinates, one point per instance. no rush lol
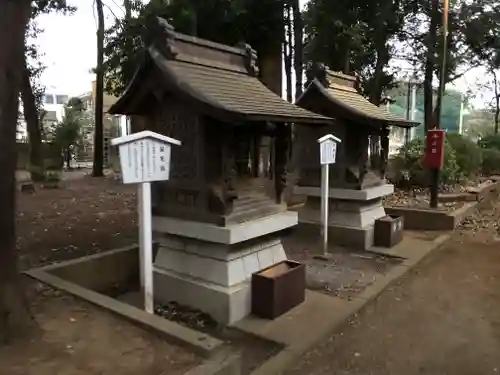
(217, 80)
(333, 74)
(192, 49)
(339, 89)
(145, 134)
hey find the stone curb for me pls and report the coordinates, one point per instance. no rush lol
(289, 355)
(426, 219)
(202, 344)
(223, 363)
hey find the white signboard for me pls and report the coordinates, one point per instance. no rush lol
(145, 160)
(327, 152)
(327, 156)
(328, 149)
(145, 157)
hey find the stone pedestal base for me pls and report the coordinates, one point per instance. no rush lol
(352, 213)
(210, 267)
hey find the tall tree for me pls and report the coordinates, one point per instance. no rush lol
(483, 37)
(298, 34)
(288, 52)
(98, 163)
(496, 93)
(67, 134)
(259, 23)
(469, 22)
(31, 116)
(31, 90)
(355, 37)
(14, 16)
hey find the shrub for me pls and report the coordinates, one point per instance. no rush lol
(407, 167)
(490, 141)
(491, 161)
(467, 154)
(52, 176)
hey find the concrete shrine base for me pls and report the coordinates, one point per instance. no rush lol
(352, 213)
(209, 267)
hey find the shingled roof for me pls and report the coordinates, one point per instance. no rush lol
(340, 91)
(220, 77)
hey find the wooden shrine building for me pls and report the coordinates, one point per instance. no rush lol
(208, 96)
(215, 220)
(363, 127)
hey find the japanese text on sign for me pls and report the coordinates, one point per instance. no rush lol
(327, 152)
(146, 160)
(434, 152)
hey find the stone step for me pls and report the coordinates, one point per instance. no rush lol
(246, 202)
(254, 213)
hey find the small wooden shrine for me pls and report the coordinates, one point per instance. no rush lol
(363, 127)
(216, 220)
(357, 179)
(209, 96)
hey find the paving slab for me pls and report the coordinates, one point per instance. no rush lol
(321, 311)
(320, 315)
(411, 247)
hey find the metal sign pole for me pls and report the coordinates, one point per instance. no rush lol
(146, 245)
(327, 156)
(145, 158)
(325, 169)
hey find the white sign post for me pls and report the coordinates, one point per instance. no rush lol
(144, 158)
(327, 155)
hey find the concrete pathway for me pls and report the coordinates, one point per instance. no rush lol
(442, 318)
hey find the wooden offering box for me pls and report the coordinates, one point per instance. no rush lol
(278, 289)
(388, 231)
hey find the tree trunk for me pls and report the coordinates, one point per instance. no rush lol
(97, 168)
(67, 157)
(32, 126)
(497, 101)
(128, 9)
(382, 61)
(381, 38)
(298, 33)
(497, 112)
(14, 315)
(287, 53)
(429, 67)
(442, 71)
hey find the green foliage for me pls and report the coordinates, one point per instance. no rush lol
(408, 165)
(490, 142)
(490, 146)
(351, 36)
(33, 56)
(259, 23)
(52, 176)
(467, 153)
(479, 123)
(67, 134)
(491, 161)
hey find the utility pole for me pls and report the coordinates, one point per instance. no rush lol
(461, 118)
(442, 83)
(408, 111)
(413, 107)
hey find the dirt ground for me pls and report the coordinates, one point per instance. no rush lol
(443, 318)
(76, 338)
(85, 216)
(344, 273)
